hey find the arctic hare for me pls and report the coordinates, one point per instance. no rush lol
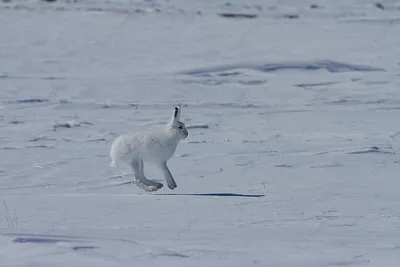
(156, 146)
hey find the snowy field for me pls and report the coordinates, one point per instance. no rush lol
(293, 151)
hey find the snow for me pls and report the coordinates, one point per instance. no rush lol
(292, 154)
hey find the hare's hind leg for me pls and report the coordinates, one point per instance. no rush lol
(138, 179)
(144, 179)
(167, 174)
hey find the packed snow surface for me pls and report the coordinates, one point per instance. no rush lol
(292, 157)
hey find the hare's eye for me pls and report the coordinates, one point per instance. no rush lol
(180, 127)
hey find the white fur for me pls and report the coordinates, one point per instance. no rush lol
(157, 146)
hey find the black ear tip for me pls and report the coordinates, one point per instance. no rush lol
(176, 111)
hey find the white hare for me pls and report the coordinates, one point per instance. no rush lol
(156, 146)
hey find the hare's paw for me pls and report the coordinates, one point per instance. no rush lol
(155, 187)
(171, 184)
(158, 185)
(149, 188)
(155, 183)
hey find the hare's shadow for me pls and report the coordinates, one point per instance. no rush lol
(213, 195)
(201, 194)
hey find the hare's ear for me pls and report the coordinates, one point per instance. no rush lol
(176, 115)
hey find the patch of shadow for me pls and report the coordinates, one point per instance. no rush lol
(125, 183)
(198, 142)
(252, 82)
(219, 78)
(379, 101)
(344, 102)
(39, 240)
(70, 124)
(43, 138)
(16, 122)
(132, 105)
(98, 140)
(380, 6)
(329, 165)
(322, 217)
(328, 152)
(119, 106)
(40, 146)
(253, 141)
(53, 78)
(242, 164)
(201, 126)
(373, 149)
(30, 100)
(314, 84)
(315, 6)
(328, 65)
(342, 225)
(267, 152)
(283, 166)
(264, 222)
(207, 82)
(172, 254)
(10, 148)
(291, 16)
(235, 73)
(357, 102)
(6, 76)
(214, 195)
(64, 101)
(116, 177)
(237, 15)
(61, 238)
(76, 248)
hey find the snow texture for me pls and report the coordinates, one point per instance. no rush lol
(292, 109)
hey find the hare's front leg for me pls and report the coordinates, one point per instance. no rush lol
(167, 174)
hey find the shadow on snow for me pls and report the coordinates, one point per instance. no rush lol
(214, 195)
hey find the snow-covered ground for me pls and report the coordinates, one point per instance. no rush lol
(293, 151)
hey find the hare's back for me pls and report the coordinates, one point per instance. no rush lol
(126, 147)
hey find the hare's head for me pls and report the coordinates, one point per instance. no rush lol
(176, 126)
